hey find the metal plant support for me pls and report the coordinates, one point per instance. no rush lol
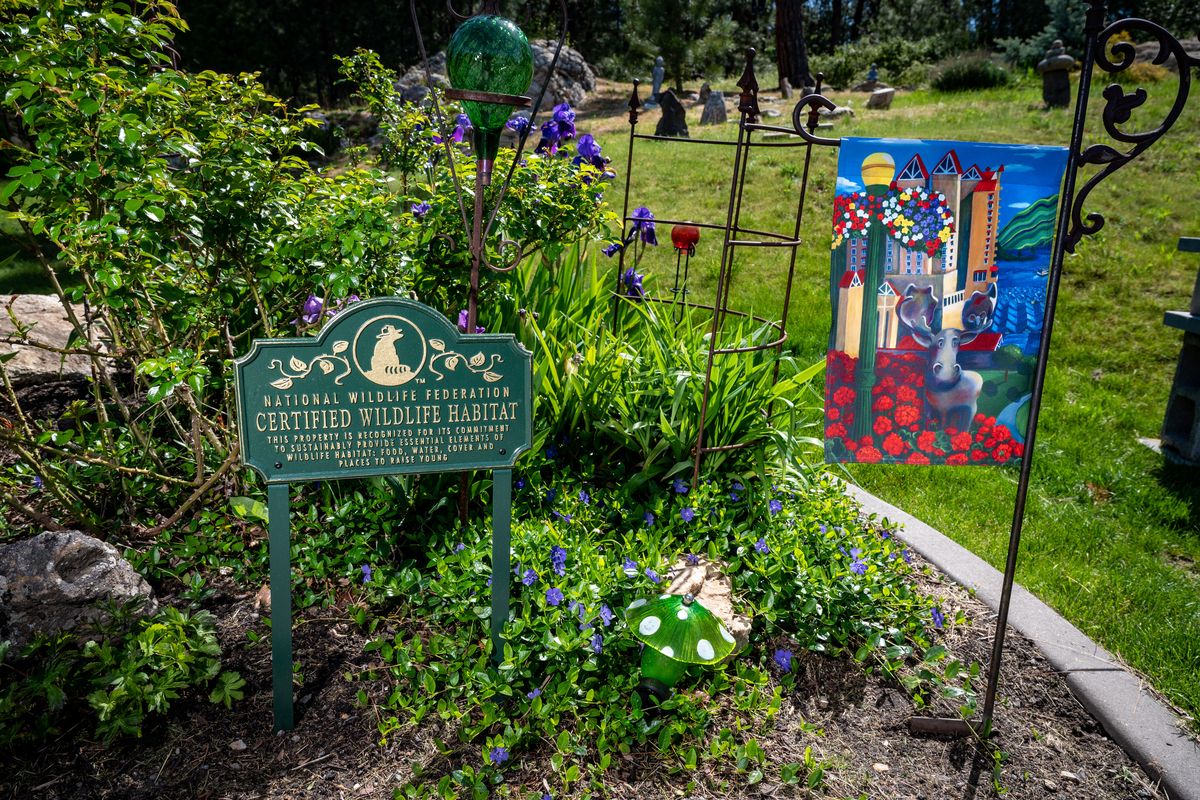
(1070, 229)
(734, 236)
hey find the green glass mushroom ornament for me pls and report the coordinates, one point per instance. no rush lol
(677, 631)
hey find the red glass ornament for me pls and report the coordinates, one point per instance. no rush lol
(684, 237)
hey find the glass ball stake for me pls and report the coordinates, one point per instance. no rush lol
(684, 238)
(676, 631)
(490, 65)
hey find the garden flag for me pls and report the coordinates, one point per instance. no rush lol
(941, 252)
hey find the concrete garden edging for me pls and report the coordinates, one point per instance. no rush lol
(1145, 728)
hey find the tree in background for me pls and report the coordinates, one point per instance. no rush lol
(791, 52)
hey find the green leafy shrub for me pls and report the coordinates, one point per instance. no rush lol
(969, 72)
(899, 60)
(122, 672)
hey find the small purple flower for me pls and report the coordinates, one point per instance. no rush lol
(629, 567)
(775, 507)
(784, 659)
(606, 615)
(886, 534)
(458, 548)
(576, 607)
(633, 284)
(653, 576)
(462, 124)
(614, 248)
(679, 486)
(643, 224)
(518, 125)
(462, 322)
(938, 618)
(551, 453)
(762, 547)
(561, 516)
(520, 483)
(597, 643)
(734, 496)
(822, 527)
(558, 560)
(584, 497)
(366, 575)
(648, 518)
(554, 595)
(857, 565)
(38, 483)
(311, 312)
(907, 556)
(529, 578)
(419, 210)
(692, 559)
(498, 755)
(687, 514)
(534, 694)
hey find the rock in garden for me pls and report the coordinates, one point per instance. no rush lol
(836, 112)
(60, 579)
(42, 321)
(714, 109)
(881, 99)
(674, 119)
(705, 93)
(713, 590)
(1148, 51)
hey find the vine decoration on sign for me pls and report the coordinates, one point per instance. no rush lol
(297, 369)
(478, 363)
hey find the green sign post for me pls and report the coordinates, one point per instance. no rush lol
(389, 387)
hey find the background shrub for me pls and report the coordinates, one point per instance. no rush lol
(968, 72)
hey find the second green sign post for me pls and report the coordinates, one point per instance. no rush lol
(388, 387)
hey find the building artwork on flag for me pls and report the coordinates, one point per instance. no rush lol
(941, 253)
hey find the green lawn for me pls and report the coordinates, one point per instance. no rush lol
(1112, 536)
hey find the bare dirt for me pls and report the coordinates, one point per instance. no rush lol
(1048, 745)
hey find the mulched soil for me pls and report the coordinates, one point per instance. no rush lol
(1050, 746)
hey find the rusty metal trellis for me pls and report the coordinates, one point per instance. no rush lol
(732, 237)
(1102, 49)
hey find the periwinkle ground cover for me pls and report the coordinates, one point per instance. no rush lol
(570, 667)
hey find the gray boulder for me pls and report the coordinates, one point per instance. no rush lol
(673, 121)
(60, 579)
(714, 109)
(42, 321)
(1148, 51)
(881, 99)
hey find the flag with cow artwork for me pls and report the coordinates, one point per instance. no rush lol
(941, 253)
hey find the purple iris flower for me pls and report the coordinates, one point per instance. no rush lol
(564, 117)
(643, 223)
(518, 125)
(419, 210)
(462, 124)
(550, 138)
(310, 312)
(588, 152)
(462, 323)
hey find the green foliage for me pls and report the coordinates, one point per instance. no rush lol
(125, 670)
(803, 565)
(1065, 23)
(901, 61)
(968, 73)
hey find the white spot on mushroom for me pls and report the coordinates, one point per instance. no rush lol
(725, 634)
(682, 613)
(641, 601)
(668, 651)
(705, 649)
(649, 625)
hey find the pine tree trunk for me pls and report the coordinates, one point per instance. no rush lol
(835, 22)
(791, 51)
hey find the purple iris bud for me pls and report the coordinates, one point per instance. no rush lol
(614, 248)
(518, 125)
(643, 224)
(633, 284)
(312, 309)
(419, 210)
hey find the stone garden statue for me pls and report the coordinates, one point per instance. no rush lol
(1056, 76)
(657, 74)
(873, 73)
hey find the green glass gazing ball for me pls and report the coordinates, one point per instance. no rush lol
(489, 54)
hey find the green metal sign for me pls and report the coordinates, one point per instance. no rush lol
(389, 387)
